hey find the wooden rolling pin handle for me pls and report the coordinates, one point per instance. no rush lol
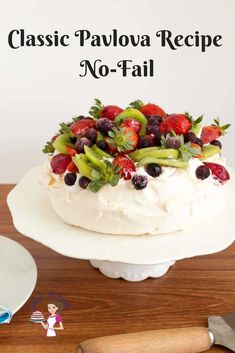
(182, 340)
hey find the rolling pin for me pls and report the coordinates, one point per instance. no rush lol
(181, 340)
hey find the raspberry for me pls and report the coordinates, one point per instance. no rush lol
(173, 142)
(153, 120)
(91, 134)
(81, 143)
(152, 129)
(104, 125)
(146, 141)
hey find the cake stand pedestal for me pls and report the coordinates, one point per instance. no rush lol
(131, 257)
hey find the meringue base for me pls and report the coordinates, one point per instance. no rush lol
(174, 201)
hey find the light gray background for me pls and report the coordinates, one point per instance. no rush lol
(40, 87)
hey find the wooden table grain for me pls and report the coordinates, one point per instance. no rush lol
(96, 306)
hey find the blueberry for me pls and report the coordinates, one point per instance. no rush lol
(146, 141)
(154, 170)
(139, 182)
(202, 172)
(73, 139)
(152, 129)
(158, 137)
(152, 120)
(190, 137)
(84, 141)
(91, 134)
(70, 178)
(104, 125)
(102, 144)
(216, 143)
(199, 142)
(84, 182)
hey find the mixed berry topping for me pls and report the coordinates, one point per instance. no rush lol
(112, 142)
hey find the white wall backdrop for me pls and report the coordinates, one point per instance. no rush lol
(40, 86)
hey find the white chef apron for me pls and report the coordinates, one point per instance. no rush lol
(51, 322)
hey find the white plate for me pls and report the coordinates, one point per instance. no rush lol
(18, 274)
(34, 217)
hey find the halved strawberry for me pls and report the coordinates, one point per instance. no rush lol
(132, 124)
(179, 123)
(210, 133)
(81, 126)
(126, 166)
(122, 139)
(100, 111)
(218, 171)
(149, 109)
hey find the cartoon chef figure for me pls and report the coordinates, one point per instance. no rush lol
(53, 319)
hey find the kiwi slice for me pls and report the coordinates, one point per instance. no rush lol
(81, 162)
(136, 153)
(131, 113)
(61, 142)
(209, 151)
(157, 153)
(94, 158)
(177, 163)
(100, 152)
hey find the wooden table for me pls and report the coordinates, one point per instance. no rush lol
(96, 306)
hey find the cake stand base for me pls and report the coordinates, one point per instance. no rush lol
(130, 272)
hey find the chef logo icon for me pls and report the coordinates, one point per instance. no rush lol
(53, 320)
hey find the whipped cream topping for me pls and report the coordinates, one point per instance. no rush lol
(173, 201)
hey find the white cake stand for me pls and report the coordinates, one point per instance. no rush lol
(133, 258)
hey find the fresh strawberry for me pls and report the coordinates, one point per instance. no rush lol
(179, 123)
(71, 151)
(218, 172)
(72, 168)
(110, 112)
(132, 124)
(112, 149)
(100, 111)
(210, 133)
(81, 126)
(59, 163)
(126, 166)
(122, 139)
(149, 109)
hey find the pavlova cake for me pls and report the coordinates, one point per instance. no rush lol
(136, 171)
